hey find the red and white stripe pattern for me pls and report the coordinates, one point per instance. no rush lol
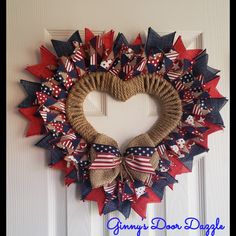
(43, 115)
(142, 65)
(99, 42)
(139, 163)
(69, 136)
(127, 69)
(114, 71)
(93, 59)
(161, 149)
(60, 106)
(67, 143)
(110, 188)
(149, 180)
(69, 65)
(174, 75)
(197, 109)
(105, 161)
(201, 79)
(78, 56)
(172, 55)
(179, 86)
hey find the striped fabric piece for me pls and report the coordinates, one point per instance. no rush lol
(174, 75)
(93, 60)
(139, 163)
(179, 86)
(161, 149)
(200, 78)
(78, 56)
(135, 158)
(110, 188)
(67, 143)
(60, 106)
(172, 55)
(69, 65)
(149, 180)
(105, 161)
(142, 65)
(114, 71)
(197, 109)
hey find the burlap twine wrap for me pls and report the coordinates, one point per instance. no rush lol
(122, 91)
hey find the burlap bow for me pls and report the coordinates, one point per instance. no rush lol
(106, 167)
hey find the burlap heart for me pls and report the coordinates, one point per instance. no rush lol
(123, 90)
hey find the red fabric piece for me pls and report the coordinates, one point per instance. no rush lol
(210, 87)
(138, 40)
(88, 35)
(140, 206)
(43, 69)
(212, 128)
(183, 53)
(178, 167)
(61, 165)
(68, 181)
(97, 195)
(107, 39)
(35, 123)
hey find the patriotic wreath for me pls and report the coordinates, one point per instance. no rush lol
(182, 80)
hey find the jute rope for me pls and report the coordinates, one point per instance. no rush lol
(123, 90)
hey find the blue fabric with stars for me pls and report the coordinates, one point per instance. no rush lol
(136, 151)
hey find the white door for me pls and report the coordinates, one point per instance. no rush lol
(37, 201)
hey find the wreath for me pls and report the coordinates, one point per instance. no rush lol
(179, 78)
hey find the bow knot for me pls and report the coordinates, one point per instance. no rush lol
(134, 162)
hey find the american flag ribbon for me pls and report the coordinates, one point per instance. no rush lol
(109, 157)
(110, 161)
(139, 163)
(105, 161)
